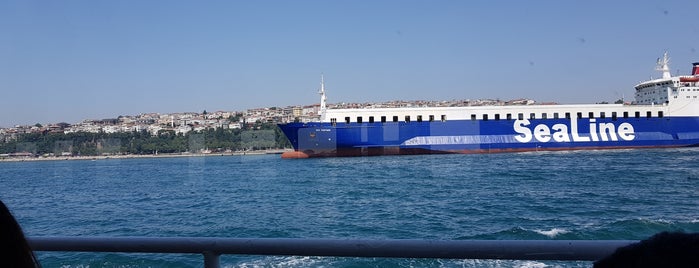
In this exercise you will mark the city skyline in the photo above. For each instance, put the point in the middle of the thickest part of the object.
(71, 61)
(307, 112)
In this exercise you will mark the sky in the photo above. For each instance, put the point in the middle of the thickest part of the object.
(67, 61)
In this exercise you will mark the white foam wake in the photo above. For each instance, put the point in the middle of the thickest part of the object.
(553, 232)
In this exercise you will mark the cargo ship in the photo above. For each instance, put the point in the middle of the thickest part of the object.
(665, 113)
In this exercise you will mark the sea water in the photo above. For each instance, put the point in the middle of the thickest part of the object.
(606, 194)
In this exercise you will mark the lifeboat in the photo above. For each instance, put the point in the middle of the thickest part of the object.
(689, 79)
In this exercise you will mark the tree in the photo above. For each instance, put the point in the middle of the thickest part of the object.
(262, 135)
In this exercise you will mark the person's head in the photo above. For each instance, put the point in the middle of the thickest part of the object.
(661, 250)
(14, 249)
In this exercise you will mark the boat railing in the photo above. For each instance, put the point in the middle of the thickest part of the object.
(213, 247)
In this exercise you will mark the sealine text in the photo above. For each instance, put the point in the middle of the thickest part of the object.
(598, 131)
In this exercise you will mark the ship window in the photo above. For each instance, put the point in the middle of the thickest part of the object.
(395, 118)
(520, 116)
(591, 115)
(333, 121)
(485, 117)
(473, 117)
(532, 116)
(371, 119)
(359, 119)
(544, 116)
(431, 118)
(497, 116)
(567, 115)
(648, 114)
(347, 120)
(555, 115)
(407, 118)
(383, 119)
(579, 115)
(419, 118)
(626, 114)
(660, 113)
(637, 114)
(614, 116)
(602, 115)
(444, 118)
(509, 116)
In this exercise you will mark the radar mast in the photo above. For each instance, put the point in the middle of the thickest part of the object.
(663, 66)
(322, 98)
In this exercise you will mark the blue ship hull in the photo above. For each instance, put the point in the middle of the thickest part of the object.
(489, 136)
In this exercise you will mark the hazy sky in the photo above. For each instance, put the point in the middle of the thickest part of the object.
(74, 60)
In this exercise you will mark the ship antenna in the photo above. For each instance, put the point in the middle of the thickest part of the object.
(663, 66)
(322, 98)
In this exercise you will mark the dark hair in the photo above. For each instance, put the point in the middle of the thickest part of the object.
(661, 250)
(14, 249)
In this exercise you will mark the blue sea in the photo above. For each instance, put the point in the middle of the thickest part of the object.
(606, 194)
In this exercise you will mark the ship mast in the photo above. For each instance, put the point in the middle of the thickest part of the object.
(322, 98)
(663, 66)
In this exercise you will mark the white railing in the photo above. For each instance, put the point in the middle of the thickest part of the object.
(213, 247)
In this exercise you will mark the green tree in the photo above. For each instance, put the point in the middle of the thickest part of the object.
(261, 135)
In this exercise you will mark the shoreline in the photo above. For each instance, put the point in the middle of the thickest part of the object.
(129, 156)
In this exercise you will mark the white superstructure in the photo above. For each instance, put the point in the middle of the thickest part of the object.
(667, 96)
(678, 91)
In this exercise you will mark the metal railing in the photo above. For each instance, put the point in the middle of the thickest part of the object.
(213, 247)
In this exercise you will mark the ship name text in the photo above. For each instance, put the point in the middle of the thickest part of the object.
(560, 132)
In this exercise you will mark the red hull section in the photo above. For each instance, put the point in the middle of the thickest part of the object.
(294, 155)
(398, 151)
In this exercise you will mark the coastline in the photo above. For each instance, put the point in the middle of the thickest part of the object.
(103, 157)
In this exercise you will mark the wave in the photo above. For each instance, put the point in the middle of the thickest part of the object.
(294, 261)
(520, 233)
(290, 261)
(623, 229)
(553, 232)
(642, 228)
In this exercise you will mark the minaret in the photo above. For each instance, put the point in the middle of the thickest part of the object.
(322, 99)
(663, 66)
